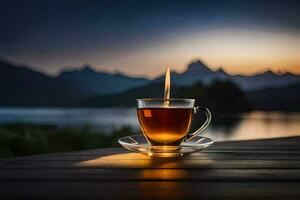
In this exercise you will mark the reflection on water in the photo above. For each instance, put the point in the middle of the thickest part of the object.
(257, 125)
(100, 118)
(252, 125)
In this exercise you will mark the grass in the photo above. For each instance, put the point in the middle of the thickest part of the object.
(24, 139)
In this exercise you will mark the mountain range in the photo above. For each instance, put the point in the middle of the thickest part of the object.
(22, 86)
(101, 83)
(199, 71)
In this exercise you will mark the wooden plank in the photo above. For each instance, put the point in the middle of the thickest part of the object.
(152, 190)
(275, 143)
(98, 175)
(132, 160)
(284, 145)
(204, 155)
(265, 169)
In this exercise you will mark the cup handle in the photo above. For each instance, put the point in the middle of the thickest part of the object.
(206, 123)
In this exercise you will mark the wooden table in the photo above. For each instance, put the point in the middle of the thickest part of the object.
(262, 169)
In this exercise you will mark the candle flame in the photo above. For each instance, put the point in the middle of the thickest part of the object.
(167, 87)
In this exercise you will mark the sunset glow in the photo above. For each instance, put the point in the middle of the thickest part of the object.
(142, 39)
(235, 51)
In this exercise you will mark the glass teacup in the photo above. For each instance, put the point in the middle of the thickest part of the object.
(166, 122)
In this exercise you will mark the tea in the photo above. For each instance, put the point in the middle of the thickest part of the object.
(165, 125)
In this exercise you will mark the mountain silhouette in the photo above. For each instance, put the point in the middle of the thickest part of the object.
(20, 86)
(199, 71)
(197, 67)
(101, 83)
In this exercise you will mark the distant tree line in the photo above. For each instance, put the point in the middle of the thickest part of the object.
(219, 96)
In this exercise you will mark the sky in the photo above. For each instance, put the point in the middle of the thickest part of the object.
(142, 38)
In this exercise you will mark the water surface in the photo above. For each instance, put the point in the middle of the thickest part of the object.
(253, 125)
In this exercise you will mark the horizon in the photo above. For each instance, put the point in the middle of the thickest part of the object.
(92, 67)
(144, 38)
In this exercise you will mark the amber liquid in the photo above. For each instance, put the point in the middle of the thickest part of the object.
(165, 126)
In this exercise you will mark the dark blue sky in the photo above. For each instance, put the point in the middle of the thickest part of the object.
(142, 37)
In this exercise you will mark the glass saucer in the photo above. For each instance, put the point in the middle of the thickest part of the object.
(138, 143)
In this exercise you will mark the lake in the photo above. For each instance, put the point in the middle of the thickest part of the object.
(253, 125)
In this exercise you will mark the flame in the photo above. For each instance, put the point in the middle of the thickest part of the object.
(167, 87)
